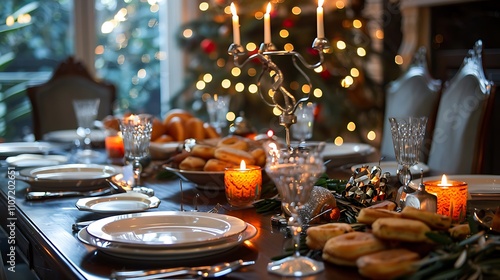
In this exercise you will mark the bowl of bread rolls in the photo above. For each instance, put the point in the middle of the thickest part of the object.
(205, 162)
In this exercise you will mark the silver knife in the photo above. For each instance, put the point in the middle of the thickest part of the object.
(43, 195)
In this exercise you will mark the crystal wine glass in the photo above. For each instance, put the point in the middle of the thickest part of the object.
(303, 128)
(136, 133)
(295, 171)
(407, 136)
(86, 113)
(217, 108)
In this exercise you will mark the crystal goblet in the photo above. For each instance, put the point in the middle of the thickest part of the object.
(295, 171)
(136, 133)
(86, 113)
(217, 108)
(303, 128)
(407, 136)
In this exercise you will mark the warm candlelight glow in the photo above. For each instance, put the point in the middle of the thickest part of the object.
(236, 25)
(243, 184)
(114, 145)
(319, 15)
(270, 133)
(267, 24)
(451, 197)
(444, 182)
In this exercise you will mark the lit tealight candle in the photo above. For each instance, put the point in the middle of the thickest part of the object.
(319, 16)
(267, 24)
(243, 184)
(114, 145)
(451, 197)
(236, 25)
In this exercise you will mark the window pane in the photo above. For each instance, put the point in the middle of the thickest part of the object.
(127, 52)
(34, 37)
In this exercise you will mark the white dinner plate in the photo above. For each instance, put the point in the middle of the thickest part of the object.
(35, 160)
(68, 176)
(118, 203)
(333, 151)
(479, 186)
(392, 167)
(16, 148)
(69, 136)
(166, 229)
(154, 253)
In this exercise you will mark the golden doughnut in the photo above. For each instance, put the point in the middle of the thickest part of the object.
(175, 128)
(180, 113)
(433, 220)
(459, 232)
(234, 156)
(400, 229)
(388, 264)
(158, 130)
(210, 131)
(194, 129)
(345, 249)
(235, 142)
(318, 235)
(259, 155)
(216, 165)
(165, 138)
(191, 163)
(203, 151)
(369, 215)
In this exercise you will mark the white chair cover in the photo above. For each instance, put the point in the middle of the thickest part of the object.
(456, 145)
(413, 94)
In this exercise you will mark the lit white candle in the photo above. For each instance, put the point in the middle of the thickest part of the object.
(267, 25)
(236, 25)
(319, 15)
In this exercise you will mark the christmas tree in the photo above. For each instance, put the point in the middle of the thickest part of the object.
(345, 95)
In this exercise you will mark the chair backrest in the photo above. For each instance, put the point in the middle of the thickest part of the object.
(414, 94)
(462, 118)
(51, 102)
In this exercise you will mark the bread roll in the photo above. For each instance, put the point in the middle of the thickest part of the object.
(387, 264)
(400, 229)
(369, 215)
(433, 220)
(317, 236)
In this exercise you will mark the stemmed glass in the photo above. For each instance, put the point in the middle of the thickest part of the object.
(303, 128)
(136, 133)
(86, 113)
(407, 136)
(295, 171)
(217, 108)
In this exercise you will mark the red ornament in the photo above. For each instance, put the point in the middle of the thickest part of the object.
(325, 74)
(208, 46)
(288, 23)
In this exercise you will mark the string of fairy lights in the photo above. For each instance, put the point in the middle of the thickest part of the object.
(250, 47)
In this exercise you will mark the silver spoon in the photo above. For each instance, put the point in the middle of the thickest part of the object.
(217, 270)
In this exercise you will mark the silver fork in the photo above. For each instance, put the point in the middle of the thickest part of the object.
(216, 270)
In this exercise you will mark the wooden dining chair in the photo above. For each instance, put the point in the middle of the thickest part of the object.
(462, 119)
(414, 94)
(51, 102)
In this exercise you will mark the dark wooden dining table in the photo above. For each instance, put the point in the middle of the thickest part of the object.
(46, 241)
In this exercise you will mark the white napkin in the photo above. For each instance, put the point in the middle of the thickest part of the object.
(34, 160)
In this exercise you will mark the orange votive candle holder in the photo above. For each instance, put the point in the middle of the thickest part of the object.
(451, 197)
(114, 145)
(243, 185)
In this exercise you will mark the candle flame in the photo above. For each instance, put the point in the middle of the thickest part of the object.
(320, 3)
(233, 9)
(270, 133)
(444, 180)
(268, 10)
(243, 165)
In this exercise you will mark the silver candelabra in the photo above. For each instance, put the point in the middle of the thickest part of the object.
(289, 102)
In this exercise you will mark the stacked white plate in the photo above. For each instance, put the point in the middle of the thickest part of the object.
(166, 235)
(74, 177)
